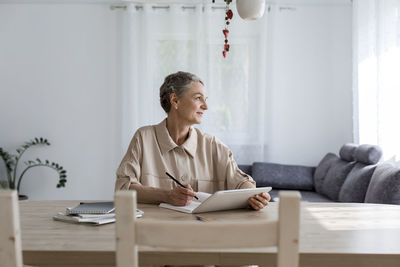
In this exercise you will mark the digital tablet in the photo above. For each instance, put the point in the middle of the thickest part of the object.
(220, 200)
(229, 199)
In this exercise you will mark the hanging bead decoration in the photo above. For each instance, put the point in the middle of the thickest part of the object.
(228, 17)
(225, 32)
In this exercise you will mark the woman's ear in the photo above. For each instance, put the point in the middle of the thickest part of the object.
(173, 98)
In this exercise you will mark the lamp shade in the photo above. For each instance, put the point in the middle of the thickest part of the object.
(250, 9)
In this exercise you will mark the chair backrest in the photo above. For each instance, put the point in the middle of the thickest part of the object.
(282, 233)
(10, 230)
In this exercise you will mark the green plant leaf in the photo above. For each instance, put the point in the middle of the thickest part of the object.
(8, 159)
(12, 162)
(3, 184)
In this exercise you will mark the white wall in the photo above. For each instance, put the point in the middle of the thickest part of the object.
(59, 79)
(310, 80)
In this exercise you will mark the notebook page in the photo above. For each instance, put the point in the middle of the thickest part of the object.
(188, 208)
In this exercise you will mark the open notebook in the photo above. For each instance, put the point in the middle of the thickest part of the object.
(220, 200)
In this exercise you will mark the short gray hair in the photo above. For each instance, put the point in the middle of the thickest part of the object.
(176, 83)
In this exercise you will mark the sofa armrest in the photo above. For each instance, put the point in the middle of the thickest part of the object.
(283, 176)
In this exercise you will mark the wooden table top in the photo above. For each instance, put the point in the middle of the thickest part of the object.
(331, 234)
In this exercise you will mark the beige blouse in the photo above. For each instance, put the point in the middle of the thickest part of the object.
(202, 161)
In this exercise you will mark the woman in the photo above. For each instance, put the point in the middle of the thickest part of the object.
(199, 161)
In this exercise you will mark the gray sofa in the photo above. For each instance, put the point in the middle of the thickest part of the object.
(353, 176)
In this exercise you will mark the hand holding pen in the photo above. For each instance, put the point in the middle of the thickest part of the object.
(182, 194)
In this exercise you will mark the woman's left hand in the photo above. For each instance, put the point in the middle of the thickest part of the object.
(259, 201)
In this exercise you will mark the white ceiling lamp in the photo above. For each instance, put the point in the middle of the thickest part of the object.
(250, 9)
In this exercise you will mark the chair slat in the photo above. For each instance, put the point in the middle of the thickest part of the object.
(125, 215)
(289, 227)
(10, 233)
(206, 235)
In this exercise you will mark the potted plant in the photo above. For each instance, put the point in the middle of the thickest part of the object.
(11, 161)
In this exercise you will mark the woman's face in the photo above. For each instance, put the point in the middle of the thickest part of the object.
(191, 106)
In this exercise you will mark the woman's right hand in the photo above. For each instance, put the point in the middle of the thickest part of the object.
(181, 196)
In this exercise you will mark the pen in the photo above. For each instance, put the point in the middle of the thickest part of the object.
(176, 181)
(203, 219)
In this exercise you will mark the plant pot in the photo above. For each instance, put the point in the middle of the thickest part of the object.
(250, 9)
(22, 197)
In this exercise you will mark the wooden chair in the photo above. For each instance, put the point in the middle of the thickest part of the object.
(10, 230)
(282, 233)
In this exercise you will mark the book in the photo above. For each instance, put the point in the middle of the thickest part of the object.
(88, 220)
(220, 200)
(94, 219)
(88, 216)
(92, 208)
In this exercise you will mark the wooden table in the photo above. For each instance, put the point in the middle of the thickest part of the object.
(332, 234)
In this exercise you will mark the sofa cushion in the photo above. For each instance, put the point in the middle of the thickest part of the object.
(322, 170)
(368, 154)
(283, 176)
(356, 184)
(347, 151)
(385, 185)
(335, 178)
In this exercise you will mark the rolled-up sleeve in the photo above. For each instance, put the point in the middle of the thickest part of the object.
(129, 170)
(236, 178)
(228, 168)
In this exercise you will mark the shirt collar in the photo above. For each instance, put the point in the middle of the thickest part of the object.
(166, 143)
(190, 144)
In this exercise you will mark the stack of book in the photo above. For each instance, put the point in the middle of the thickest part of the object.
(94, 213)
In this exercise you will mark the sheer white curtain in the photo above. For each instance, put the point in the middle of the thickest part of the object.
(159, 39)
(377, 73)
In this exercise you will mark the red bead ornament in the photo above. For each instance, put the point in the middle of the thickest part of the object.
(228, 17)
(225, 32)
(229, 14)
